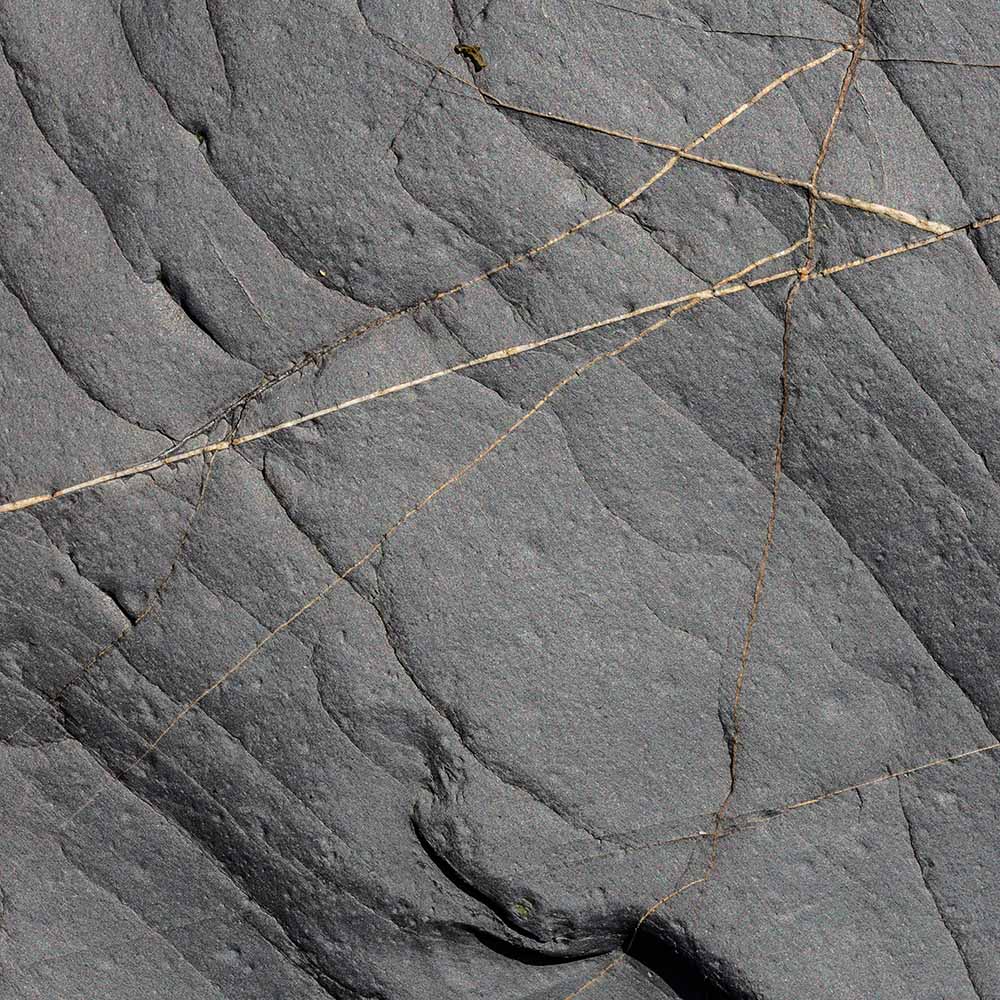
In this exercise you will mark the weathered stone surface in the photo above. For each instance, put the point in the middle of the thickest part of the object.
(480, 765)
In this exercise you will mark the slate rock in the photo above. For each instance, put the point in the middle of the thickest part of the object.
(528, 680)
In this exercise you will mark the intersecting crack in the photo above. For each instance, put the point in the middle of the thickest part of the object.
(310, 955)
(890, 77)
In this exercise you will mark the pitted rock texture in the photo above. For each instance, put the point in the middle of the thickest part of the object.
(524, 745)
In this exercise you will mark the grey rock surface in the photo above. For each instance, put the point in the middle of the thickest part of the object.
(587, 720)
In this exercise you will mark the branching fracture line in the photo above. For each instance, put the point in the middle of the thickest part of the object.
(754, 821)
(730, 285)
(502, 354)
(759, 173)
(779, 445)
(804, 274)
(151, 606)
(848, 201)
(318, 354)
(377, 545)
(891, 776)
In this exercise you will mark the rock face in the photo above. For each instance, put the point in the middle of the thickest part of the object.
(662, 671)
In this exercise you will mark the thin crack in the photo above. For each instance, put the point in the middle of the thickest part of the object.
(442, 712)
(935, 145)
(933, 896)
(223, 59)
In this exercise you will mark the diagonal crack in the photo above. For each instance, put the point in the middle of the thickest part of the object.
(923, 869)
(441, 711)
(223, 58)
(890, 77)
